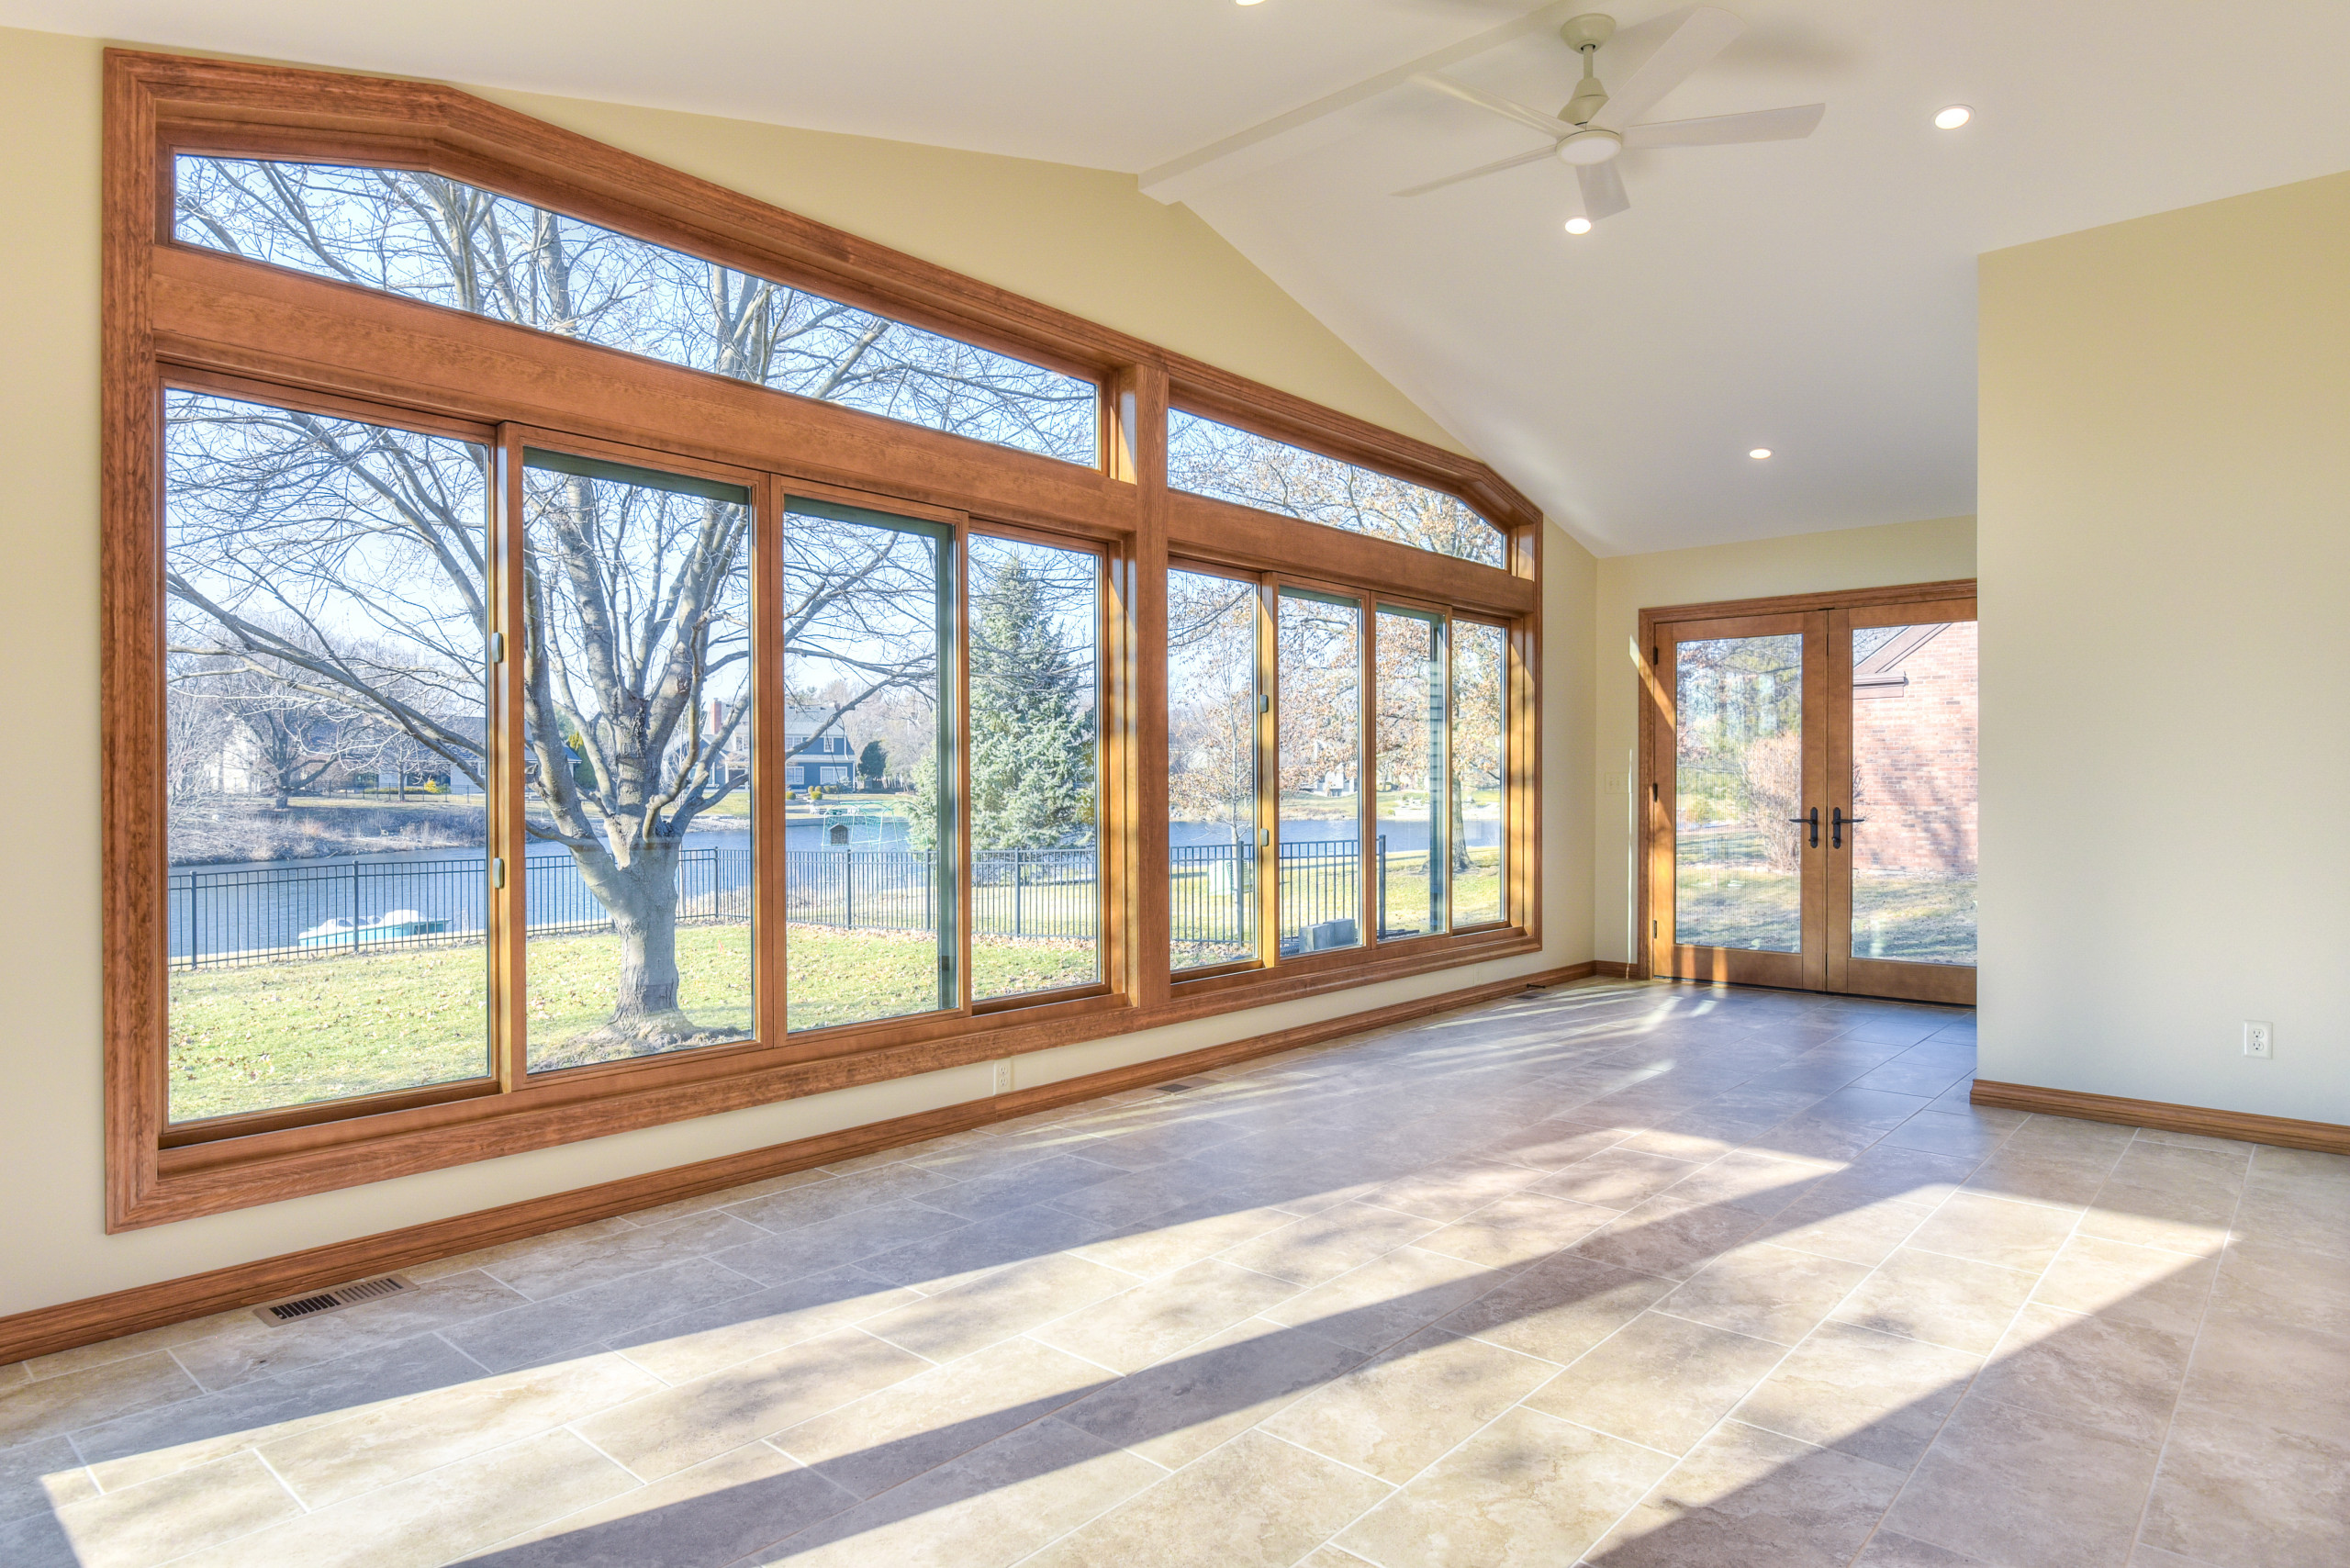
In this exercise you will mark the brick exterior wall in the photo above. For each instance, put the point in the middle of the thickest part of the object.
(1914, 766)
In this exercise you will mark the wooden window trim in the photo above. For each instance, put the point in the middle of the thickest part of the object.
(178, 315)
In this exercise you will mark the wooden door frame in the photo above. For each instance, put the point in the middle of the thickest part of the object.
(1654, 704)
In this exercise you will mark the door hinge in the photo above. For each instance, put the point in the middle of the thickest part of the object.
(1654, 798)
(1652, 925)
(1655, 655)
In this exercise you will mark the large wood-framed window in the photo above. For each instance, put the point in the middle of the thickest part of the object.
(752, 696)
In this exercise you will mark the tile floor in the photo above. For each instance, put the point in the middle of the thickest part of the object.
(1617, 1274)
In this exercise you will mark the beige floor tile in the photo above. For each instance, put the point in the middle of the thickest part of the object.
(1254, 1503)
(43, 1474)
(1748, 1178)
(1396, 1412)
(2189, 1216)
(1386, 1299)
(1331, 1557)
(2235, 1490)
(890, 1436)
(1522, 1228)
(61, 1404)
(728, 1332)
(1616, 1178)
(2029, 1488)
(1452, 1188)
(588, 1259)
(1747, 1497)
(122, 1348)
(391, 1441)
(729, 1196)
(2285, 1218)
(1995, 1230)
(2129, 1284)
(437, 1517)
(1178, 1237)
(663, 1433)
(1529, 1491)
(1668, 1239)
(1150, 1322)
(1660, 1382)
(2276, 1284)
(996, 1306)
(960, 1256)
(1176, 1411)
(1558, 1309)
(988, 1509)
(1854, 1231)
(1888, 1550)
(805, 1204)
(710, 1515)
(555, 1242)
(2070, 1136)
(610, 1311)
(1767, 1292)
(1324, 1245)
(1879, 1396)
(184, 1512)
(2031, 1176)
(2119, 1376)
(1943, 1300)
(2290, 1378)
(247, 1348)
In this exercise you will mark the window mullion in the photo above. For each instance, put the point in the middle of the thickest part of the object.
(510, 892)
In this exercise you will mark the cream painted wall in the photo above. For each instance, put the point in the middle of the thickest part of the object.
(1934, 551)
(1060, 234)
(2165, 541)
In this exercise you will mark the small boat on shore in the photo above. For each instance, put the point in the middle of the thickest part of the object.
(388, 927)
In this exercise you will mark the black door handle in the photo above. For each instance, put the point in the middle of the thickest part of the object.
(1814, 820)
(1837, 821)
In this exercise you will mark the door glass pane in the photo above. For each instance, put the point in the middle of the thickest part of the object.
(1738, 776)
(323, 701)
(1913, 781)
(869, 878)
(1210, 769)
(637, 691)
(1320, 654)
(1409, 850)
(1036, 828)
(1480, 772)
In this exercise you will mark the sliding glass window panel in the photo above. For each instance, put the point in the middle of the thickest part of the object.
(1738, 764)
(870, 859)
(1409, 855)
(1035, 662)
(324, 691)
(1319, 650)
(636, 744)
(1210, 769)
(1478, 854)
(1210, 459)
(1914, 792)
(429, 238)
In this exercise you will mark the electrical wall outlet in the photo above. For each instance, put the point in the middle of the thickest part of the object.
(2255, 1039)
(1003, 1077)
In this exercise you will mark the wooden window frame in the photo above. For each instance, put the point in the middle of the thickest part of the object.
(182, 316)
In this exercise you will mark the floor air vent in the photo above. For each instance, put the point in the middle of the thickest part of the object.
(330, 1301)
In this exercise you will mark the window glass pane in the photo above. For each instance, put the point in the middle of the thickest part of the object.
(1738, 771)
(1210, 459)
(868, 881)
(437, 240)
(637, 691)
(1211, 768)
(1480, 772)
(1320, 702)
(1409, 852)
(1035, 830)
(1913, 793)
(323, 707)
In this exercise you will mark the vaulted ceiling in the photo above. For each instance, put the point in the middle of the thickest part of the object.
(1815, 298)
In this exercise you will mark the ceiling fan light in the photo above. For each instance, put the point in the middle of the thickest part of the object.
(1591, 147)
(1953, 117)
(1578, 225)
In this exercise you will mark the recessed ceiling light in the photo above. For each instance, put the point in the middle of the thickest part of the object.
(1949, 118)
(1759, 453)
(1578, 225)
(1247, 2)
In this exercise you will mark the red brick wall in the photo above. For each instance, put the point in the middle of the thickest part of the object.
(1913, 764)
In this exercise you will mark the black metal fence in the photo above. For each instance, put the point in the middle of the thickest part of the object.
(267, 913)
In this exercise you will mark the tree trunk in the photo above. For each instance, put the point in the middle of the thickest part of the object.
(641, 899)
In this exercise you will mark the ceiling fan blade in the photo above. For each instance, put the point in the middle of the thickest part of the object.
(1702, 35)
(1715, 130)
(1533, 119)
(1602, 190)
(1535, 156)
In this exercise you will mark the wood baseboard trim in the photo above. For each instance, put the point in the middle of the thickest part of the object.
(1610, 969)
(45, 1330)
(2326, 1137)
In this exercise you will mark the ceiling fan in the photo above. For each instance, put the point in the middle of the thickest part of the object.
(1594, 127)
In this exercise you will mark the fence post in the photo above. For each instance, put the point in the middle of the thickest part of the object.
(848, 888)
(1019, 881)
(355, 904)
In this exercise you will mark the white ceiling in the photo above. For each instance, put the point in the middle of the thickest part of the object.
(1816, 298)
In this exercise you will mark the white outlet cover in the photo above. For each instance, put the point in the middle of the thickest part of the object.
(2258, 1039)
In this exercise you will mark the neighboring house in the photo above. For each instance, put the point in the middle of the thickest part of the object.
(818, 755)
(1914, 721)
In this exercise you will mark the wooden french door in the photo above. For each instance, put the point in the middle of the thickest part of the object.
(1809, 793)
